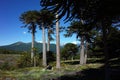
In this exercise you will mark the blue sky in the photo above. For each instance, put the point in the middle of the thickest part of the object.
(10, 30)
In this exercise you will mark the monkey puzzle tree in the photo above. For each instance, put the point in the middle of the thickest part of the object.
(29, 18)
(45, 20)
(82, 33)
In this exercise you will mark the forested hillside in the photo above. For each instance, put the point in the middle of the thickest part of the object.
(21, 46)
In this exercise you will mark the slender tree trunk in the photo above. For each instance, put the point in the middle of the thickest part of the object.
(86, 52)
(72, 58)
(34, 61)
(48, 42)
(85, 58)
(82, 51)
(57, 43)
(44, 46)
(32, 50)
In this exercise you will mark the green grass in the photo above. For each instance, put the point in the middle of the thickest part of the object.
(39, 73)
(70, 70)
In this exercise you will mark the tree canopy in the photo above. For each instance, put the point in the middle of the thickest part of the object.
(69, 50)
(86, 9)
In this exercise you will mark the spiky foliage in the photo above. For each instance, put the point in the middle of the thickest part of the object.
(29, 18)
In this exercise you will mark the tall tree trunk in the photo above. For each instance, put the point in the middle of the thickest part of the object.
(82, 51)
(34, 61)
(48, 42)
(86, 52)
(32, 50)
(44, 46)
(57, 43)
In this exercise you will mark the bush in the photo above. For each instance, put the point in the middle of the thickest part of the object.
(25, 60)
(38, 59)
(50, 56)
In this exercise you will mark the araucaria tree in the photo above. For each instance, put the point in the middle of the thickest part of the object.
(57, 33)
(57, 43)
(45, 20)
(50, 28)
(82, 33)
(29, 18)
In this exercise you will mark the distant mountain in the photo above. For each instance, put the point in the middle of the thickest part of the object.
(21, 46)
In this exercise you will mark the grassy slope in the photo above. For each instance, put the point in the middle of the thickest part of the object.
(39, 73)
(70, 71)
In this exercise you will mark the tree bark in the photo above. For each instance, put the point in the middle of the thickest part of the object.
(44, 46)
(57, 43)
(86, 52)
(34, 61)
(48, 42)
(32, 50)
(82, 51)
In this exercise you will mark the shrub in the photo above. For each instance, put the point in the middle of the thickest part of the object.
(50, 56)
(38, 59)
(25, 60)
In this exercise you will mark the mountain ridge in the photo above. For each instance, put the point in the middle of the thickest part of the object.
(22, 46)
